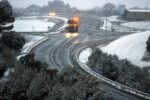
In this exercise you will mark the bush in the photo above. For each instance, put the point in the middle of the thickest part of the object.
(6, 15)
(13, 40)
(39, 87)
(121, 71)
(148, 45)
(1, 46)
(30, 62)
(2, 69)
(27, 84)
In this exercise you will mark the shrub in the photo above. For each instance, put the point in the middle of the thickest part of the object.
(121, 71)
(13, 40)
(148, 45)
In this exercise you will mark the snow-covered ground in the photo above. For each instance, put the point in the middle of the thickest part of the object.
(131, 47)
(64, 19)
(83, 57)
(27, 17)
(139, 25)
(114, 24)
(36, 23)
(30, 42)
(30, 25)
(113, 19)
(106, 25)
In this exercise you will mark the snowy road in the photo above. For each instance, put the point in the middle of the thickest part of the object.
(59, 52)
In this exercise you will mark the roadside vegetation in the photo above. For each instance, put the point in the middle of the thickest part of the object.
(10, 42)
(148, 44)
(121, 71)
(36, 82)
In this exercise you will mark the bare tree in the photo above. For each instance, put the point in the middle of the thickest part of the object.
(109, 9)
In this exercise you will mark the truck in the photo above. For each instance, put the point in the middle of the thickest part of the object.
(72, 27)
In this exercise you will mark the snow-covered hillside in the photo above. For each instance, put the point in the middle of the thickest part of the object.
(131, 47)
(32, 25)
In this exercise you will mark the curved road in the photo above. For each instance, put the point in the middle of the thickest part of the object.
(58, 51)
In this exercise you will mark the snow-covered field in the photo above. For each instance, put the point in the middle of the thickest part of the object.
(31, 25)
(116, 27)
(139, 25)
(131, 47)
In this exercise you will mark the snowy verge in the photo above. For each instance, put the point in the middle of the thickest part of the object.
(106, 25)
(32, 41)
(131, 47)
(84, 55)
(62, 18)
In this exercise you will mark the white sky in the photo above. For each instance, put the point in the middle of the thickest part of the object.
(82, 4)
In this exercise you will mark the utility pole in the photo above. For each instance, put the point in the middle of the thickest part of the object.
(106, 14)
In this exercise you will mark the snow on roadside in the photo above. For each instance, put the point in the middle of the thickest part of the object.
(109, 25)
(30, 41)
(84, 55)
(138, 25)
(113, 19)
(131, 47)
(64, 19)
(32, 25)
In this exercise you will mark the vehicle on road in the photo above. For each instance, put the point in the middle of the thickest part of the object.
(52, 13)
(72, 27)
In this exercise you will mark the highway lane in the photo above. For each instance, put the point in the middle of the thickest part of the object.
(58, 51)
(46, 53)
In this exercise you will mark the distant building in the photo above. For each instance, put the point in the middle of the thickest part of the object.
(136, 14)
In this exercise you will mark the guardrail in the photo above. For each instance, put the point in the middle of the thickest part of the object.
(37, 43)
(113, 83)
(33, 46)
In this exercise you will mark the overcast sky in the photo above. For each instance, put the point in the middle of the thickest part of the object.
(82, 4)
